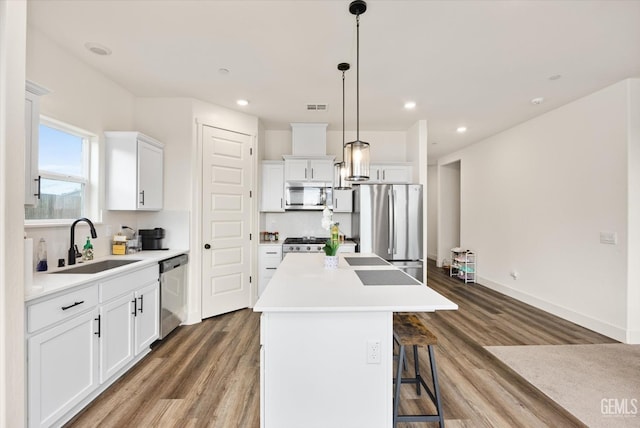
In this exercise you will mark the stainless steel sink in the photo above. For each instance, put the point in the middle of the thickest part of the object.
(97, 266)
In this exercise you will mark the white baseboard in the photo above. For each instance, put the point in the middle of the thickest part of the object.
(633, 337)
(591, 323)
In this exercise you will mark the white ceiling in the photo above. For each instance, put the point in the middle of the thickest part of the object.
(477, 63)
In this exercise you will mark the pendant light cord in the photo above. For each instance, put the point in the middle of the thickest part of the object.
(343, 136)
(358, 77)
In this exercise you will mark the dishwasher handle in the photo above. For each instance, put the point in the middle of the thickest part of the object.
(173, 263)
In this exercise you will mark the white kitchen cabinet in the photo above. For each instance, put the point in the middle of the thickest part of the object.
(62, 361)
(272, 197)
(390, 173)
(117, 335)
(269, 257)
(342, 200)
(80, 340)
(32, 126)
(307, 169)
(134, 172)
(347, 247)
(147, 319)
(308, 139)
(130, 321)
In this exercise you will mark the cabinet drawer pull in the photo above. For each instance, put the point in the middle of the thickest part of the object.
(141, 302)
(271, 268)
(64, 308)
(99, 331)
(272, 252)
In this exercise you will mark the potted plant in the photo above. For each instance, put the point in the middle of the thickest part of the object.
(331, 254)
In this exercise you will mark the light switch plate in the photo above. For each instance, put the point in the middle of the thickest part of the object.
(608, 238)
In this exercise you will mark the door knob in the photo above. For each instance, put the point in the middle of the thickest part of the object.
(207, 246)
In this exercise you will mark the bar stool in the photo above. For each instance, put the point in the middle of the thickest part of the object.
(408, 330)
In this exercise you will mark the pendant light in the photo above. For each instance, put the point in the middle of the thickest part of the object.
(356, 153)
(340, 167)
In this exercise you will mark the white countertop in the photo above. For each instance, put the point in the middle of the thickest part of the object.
(45, 283)
(302, 284)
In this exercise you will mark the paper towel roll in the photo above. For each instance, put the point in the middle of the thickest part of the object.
(28, 263)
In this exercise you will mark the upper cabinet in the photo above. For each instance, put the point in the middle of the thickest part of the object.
(134, 172)
(32, 124)
(308, 169)
(390, 173)
(272, 191)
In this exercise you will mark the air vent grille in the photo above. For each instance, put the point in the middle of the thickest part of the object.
(317, 107)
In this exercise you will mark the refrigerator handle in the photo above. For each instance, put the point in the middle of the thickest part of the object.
(394, 244)
(392, 221)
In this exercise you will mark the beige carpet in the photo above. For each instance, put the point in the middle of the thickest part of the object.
(598, 384)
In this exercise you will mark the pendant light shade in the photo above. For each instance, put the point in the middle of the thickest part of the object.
(356, 153)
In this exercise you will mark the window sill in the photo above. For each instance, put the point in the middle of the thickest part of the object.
(36, 224)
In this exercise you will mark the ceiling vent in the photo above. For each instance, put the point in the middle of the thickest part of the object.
(317, 107)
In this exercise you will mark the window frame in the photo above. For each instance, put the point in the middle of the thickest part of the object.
(87, 180)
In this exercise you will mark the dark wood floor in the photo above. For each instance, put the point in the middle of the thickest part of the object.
(207, 375)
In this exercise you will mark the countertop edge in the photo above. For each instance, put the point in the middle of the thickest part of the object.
(48, 283)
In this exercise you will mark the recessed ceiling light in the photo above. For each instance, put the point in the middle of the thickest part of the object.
(537, 101)
(555, 77)
(461, 129)
(97, 48)
(410, 105)
(223, 71)
(242, 103)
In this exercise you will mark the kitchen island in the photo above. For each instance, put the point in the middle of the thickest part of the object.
(326, 354)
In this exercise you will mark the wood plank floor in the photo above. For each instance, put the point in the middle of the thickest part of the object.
(207, 375)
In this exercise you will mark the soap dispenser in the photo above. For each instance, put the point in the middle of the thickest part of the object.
(87, 251)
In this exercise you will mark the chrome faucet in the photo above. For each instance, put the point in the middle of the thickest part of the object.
(73, 249)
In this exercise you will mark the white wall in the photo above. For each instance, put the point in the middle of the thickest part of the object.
(13, 17)
(633, 183)
(448, 211)
(83, 97)
(432, 212)
(535, 199)
(386, 146)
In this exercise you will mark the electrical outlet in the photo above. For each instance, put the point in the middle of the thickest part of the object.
(373, 352)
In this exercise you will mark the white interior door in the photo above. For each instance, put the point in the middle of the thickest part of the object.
(226, 220)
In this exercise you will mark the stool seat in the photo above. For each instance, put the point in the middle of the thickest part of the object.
(411, 331)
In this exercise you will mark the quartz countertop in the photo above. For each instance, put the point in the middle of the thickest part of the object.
(45, 283)
(302, 284)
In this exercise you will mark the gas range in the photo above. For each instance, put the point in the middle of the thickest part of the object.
(303, 245)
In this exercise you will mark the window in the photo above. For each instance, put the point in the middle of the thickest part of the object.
(63, 165)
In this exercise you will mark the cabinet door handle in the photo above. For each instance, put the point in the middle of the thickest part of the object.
(305, 173)
(141, 303)
(135, 307)
(281, 206)
(142, 198)
(378, 175)
(384, 174)
(64, 308)
(39, 180)
(311, 172)
(98, 333)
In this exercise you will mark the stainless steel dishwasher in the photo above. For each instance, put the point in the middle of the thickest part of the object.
(173, 293)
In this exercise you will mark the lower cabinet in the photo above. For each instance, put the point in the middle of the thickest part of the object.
(130, 325)
(79, 343)
(269, 257)
(62, 368)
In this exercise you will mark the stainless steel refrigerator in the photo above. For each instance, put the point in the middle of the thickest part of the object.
(387, 221)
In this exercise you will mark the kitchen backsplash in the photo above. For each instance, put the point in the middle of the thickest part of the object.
(302, 223)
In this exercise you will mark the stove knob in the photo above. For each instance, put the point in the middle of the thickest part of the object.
(308, 248)
(297, 248)
(319, 248)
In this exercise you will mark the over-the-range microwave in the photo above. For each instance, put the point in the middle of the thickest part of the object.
(307, 195)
